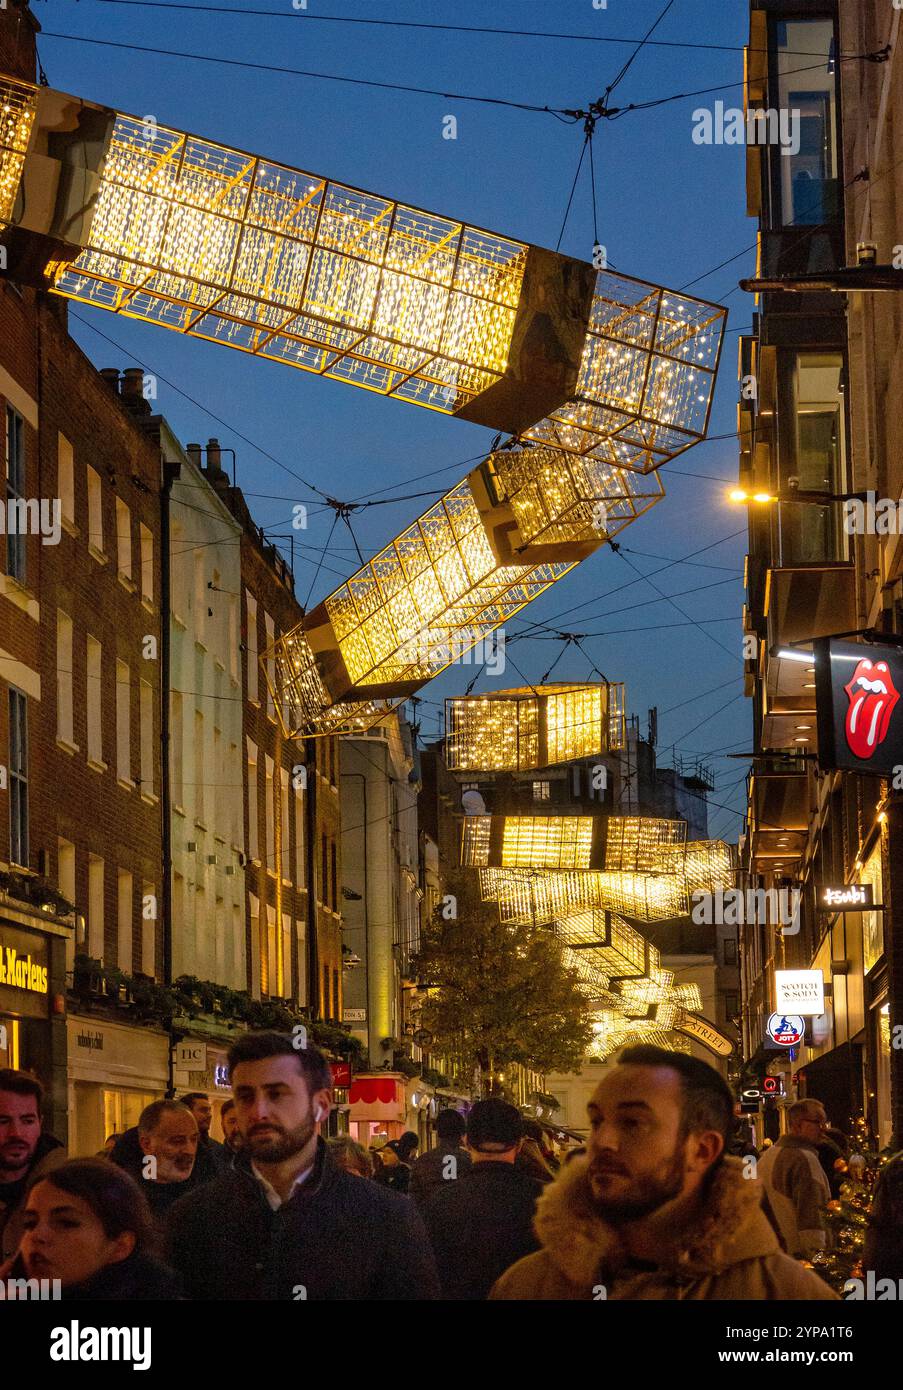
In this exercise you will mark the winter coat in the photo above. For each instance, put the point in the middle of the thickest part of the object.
(210, 1159)
(480, 1226)
(138, 1278)
(428, 1173)
(731, 1252)
(337, 1237)
(49, 1154)
(799, 1193)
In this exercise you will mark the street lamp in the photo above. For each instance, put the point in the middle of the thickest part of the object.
(804, 496)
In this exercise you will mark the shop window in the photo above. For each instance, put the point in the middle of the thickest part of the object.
(18, 778)
(806, 179)
(15, 493)
(122, 1109)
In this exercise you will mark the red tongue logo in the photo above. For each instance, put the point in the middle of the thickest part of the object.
(873, 696)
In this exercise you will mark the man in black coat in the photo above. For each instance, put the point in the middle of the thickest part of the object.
(482, 1224)
(286, 1223)
(445, 1163)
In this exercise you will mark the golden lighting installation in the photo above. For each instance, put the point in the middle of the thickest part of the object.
(612, 944)
(642, 844)
(146, 221)
(542, 842)
(224, 245)
(614, 844)
(517, 730)
(528, 897)
(646, 376)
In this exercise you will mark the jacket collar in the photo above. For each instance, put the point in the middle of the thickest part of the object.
(322, 1177)
(731, 1227)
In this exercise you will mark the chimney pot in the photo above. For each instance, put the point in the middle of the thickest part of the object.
(194, 453)
(111, 377)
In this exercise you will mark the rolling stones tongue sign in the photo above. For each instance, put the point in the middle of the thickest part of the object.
(858, 689)
(873, 698)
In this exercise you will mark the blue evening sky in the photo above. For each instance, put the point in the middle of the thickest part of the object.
(669, 211)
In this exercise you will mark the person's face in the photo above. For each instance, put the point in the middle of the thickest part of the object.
(231, 1131)
(202, 1111)
(277, 1115)
(813, 1125)
(174, 1144)
(20, 1130)
(637, 1159)
(64, 1239)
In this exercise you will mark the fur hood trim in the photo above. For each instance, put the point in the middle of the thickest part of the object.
(731, 1227)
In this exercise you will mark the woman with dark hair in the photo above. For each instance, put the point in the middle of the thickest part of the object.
(90, 1228)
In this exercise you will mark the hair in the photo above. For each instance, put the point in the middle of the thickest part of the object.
(115, 1198)
(227, 1106)
(450, 1124)
(193, 1096)
(406, 1145)
(152, 1114)
(494, 1121)
(348, 1153)
(257, 1047)
(707, 1100)
(21, 1083)
(802, 1110)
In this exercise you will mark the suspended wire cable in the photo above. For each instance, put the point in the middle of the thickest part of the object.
(242, 11)
(636, 52)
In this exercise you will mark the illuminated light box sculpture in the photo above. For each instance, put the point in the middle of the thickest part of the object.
(216, 243)
(612, 944)
(532, 897)
(644, 392)
(613, 844)
(519, 730)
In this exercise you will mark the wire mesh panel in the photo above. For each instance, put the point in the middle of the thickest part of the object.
(520, 730)
(646, 377)
(17, 113)
(618, 947)
(642, 844)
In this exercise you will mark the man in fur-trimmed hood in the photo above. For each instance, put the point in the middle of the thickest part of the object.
(656, 1210)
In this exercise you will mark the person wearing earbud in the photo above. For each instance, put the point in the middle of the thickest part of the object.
(286, 1222)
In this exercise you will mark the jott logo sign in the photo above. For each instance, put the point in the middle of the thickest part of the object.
(860, 722)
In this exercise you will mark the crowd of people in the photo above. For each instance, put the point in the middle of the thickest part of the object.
(653, 1206)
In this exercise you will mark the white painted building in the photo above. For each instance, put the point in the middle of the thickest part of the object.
(206, 758)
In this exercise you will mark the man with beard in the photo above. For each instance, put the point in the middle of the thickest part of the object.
(211, 1152)
(232, 1140)
(656, 1210)
(26, 1155)
(168, 1136)
(286, 1223)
